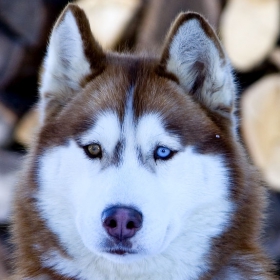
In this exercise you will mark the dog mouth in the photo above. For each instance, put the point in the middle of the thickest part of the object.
(120, 251)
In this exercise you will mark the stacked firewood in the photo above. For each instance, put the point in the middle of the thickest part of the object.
(250, 32)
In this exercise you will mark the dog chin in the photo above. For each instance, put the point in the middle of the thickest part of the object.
(121, 255)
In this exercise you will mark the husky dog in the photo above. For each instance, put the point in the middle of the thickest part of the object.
(137, 171)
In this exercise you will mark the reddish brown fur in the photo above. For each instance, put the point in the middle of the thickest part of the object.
(154, 91)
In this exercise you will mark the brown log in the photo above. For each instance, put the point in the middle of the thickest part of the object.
(274, 57)
(249, 31)
(7, 123)
(108, 18)
(26, 128)
(260, 124)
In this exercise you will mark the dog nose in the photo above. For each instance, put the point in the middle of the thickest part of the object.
(121, 222)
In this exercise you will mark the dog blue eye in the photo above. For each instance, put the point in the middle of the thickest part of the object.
(163, 153)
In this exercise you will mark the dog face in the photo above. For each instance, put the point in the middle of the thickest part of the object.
(132, 150)
(140, 165)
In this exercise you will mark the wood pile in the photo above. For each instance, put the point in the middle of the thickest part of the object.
(260, 117)
(250, 31)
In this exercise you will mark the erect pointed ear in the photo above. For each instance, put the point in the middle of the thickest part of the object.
(193, 54)
(73, 55)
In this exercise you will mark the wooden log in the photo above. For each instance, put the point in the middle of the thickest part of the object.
(260, 125)
(7, 122)
(26, 128)
(108, 18)
(274, 57)
(249, 30)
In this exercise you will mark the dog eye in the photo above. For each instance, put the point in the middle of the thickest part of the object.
(93, 150)
(163, 153)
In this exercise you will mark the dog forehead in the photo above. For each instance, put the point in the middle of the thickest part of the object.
(135, 83)
(130, 88)
(131, 85)
(108, 126)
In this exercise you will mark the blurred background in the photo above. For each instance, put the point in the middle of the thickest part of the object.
(249, 30)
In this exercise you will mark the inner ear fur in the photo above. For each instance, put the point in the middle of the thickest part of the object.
(193, 54)
(73, 57)
(92, 50)
(181, 19)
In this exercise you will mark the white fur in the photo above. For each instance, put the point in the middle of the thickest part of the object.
(65, 63)
(150, 134)
(184, 202)
(106, 131)
(191, 45)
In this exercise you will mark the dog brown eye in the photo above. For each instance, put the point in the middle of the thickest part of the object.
(93, 151)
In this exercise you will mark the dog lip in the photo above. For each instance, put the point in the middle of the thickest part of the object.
(120, 252)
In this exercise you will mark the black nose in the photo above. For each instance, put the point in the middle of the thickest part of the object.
(121, 222)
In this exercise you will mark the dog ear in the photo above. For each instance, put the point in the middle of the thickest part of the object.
(193, 54)
(72, 56)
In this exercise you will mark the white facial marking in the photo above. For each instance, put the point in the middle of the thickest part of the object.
(150, 130)
(184, 203)
(106, 132)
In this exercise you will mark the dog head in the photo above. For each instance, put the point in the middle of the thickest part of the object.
(132, 149)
